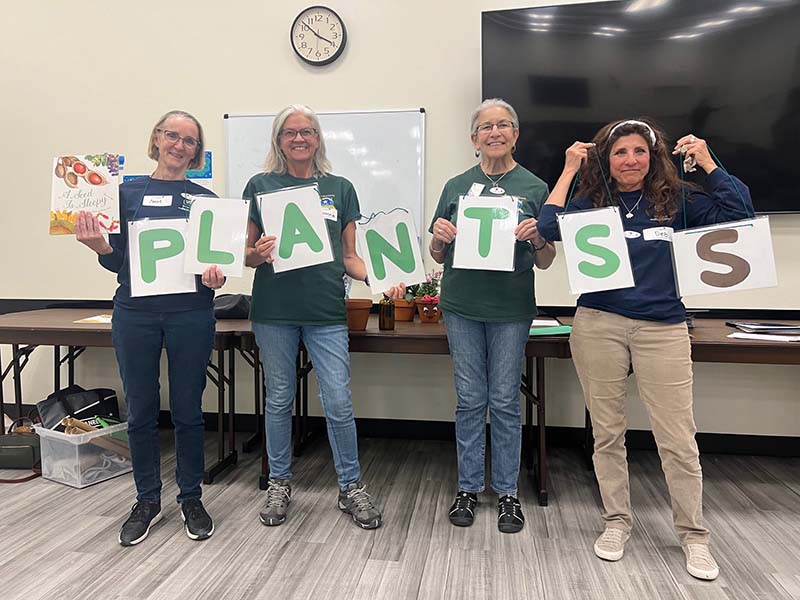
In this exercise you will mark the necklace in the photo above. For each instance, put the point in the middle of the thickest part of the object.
(629, 214)
(496, 189)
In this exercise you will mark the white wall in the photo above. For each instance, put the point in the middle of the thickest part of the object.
(95, 78)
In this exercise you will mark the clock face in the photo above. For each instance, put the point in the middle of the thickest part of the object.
(318, 35)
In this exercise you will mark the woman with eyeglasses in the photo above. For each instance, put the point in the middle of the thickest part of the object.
(183, 323)
(488, 316)
(307, 305)
(628, 164)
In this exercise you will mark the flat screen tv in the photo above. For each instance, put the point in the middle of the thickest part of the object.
(725, 70)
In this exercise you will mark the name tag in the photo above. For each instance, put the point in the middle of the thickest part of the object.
(658, 233)
(328, 209)
(632, 234)
(476, 189)
(157, 201)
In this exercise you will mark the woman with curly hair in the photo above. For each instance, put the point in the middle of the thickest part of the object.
(628, 164)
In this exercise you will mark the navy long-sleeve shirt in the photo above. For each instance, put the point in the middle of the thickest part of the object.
(654, 296)
(167, 202)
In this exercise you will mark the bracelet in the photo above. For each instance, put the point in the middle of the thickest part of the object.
(438, 249)
(535, 249)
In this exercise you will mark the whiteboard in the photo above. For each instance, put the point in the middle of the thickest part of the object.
(381, 152)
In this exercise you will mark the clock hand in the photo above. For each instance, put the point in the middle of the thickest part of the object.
(317, 34)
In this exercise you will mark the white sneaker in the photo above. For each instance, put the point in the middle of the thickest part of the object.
(611, 544)
(699, 561)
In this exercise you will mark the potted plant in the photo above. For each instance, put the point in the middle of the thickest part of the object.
(358, 313)
(427, 298)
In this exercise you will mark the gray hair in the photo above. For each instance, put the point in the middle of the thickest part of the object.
(490, 103)
(276, 161)
(199, 157)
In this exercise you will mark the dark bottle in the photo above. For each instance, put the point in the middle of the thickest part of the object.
(386, 314)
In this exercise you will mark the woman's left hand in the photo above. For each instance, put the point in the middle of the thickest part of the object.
(527, 231)
(213, 277)
(397, 292)
(689, 145)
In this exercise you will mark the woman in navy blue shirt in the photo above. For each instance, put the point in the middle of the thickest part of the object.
(628, 164)
(182, 323)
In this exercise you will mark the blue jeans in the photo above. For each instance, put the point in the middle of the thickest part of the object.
(487, 363)
(328, 346)
(189, 338)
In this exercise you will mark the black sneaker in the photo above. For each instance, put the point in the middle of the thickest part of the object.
(144, 515)
(355, 501)
(509, 515)
(196, 521)
(462, 512)
(279, 494)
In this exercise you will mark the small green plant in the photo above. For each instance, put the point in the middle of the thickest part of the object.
(428, 288)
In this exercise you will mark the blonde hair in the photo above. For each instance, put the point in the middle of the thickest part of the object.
(199, 157)
(276, 161)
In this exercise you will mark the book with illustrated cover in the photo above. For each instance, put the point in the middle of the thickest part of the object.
(87, 182)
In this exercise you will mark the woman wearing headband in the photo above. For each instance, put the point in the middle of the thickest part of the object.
(488, 316)
(628, 164)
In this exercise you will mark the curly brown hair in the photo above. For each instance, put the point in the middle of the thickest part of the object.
(662, 185)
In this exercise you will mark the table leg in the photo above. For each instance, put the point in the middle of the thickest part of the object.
(74, 352)
(541, 475)
(17, 379)
(2, 400)
(232, 404)
(56, 368)
(223, 461)
(254, 440)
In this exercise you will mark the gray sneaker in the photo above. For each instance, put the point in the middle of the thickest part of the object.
(355, 501)
(279, 494)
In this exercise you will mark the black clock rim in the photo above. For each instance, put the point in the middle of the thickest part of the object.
(336, 54)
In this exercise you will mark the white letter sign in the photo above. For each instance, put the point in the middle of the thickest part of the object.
(485, 237)
(155, 250)
(388, 243)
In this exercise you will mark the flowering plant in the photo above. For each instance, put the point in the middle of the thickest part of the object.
(428, 290)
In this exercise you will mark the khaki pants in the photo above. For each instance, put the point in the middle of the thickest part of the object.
(603, 346)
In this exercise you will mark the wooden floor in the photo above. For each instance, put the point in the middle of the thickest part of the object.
(61, 543)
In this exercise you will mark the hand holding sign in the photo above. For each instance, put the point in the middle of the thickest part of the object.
(213, 277)
(89, 233)
(264, 247)
(696, 150)
(444, 231)
(575, 156)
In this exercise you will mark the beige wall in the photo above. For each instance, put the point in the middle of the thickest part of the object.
(95, 77)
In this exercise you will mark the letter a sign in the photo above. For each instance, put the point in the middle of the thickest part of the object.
(724, 257)
(295, 217)
(595, 250)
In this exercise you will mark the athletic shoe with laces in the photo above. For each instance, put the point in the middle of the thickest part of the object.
(355, 501)
(699, 562)
(611, 543)
(279, 494)
(144, 515)
(509, 515)
(462, 511)
(196, 521)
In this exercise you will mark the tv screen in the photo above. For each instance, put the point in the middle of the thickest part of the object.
(725, 70)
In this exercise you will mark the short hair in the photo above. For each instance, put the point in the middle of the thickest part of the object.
(490, 103)
(199, 158)
(276, 161)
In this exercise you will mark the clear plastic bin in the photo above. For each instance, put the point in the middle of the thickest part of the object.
(87, 458)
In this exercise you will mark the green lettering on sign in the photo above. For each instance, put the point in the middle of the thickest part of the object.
(204, 252)
(611, 261)
(486, 215)
(379, 248)
(297, 230)
(149, 255)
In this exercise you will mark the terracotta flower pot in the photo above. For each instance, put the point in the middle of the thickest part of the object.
(404, 310)
(428, 311)
(358, 313)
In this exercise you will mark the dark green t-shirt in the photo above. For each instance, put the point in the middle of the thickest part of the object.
(312, 295)
(497, 296)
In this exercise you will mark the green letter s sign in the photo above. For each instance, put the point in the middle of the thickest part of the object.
(610, 260)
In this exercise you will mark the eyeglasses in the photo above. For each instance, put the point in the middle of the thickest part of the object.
(502, 127)
(306, 134)
(173, 137)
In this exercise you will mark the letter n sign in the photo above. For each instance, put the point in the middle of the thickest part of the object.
(595, 250)
(724, 257)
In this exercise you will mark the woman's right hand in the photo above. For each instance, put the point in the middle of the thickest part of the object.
(444, 231)
(89, 233)
(264, 247)
(576, 155)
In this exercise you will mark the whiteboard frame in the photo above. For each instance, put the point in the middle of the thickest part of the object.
(421, 192)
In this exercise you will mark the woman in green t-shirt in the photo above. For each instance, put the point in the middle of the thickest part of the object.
(488, 316)
(307, 304)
